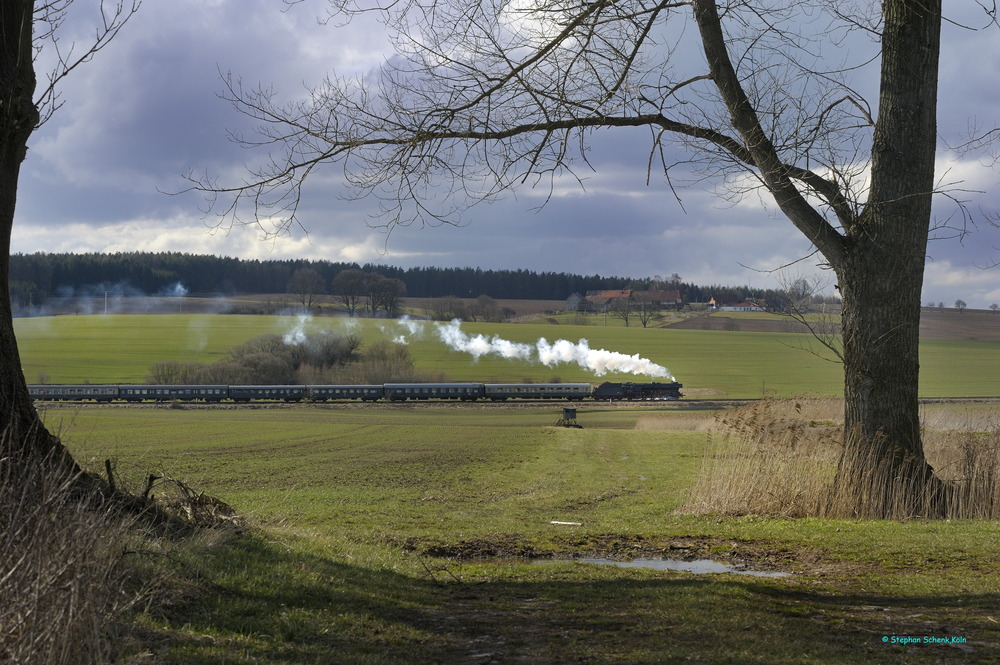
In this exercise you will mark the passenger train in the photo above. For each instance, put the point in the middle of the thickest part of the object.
(393, 392)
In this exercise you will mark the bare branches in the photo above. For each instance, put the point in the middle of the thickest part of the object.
(62, 59)
(483, 98)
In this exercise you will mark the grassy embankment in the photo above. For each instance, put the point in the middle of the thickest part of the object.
(365, 516)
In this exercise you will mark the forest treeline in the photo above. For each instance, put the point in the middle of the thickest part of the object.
(34, 278)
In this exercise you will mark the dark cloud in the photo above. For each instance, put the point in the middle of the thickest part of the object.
(147, 110)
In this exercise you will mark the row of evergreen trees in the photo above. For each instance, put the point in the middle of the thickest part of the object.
(36, 277)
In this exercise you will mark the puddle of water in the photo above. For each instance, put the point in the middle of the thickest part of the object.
(699, 566)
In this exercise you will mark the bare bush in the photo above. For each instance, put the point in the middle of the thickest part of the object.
(269, 359)
(172, 372)
(265, 344)
(63, 585)
(325, 349)
(382, 362)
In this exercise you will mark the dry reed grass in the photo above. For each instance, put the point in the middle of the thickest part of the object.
(675, 421)
(63, 585)
(768, 458)
(787, 458)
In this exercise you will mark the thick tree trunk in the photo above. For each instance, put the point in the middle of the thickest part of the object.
(879, 255)
(883, 472)
(23, 434)
(881, 274)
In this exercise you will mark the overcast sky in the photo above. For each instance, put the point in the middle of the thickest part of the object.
(146, 111)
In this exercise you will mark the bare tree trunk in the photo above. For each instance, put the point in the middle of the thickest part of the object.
(883, 472)
(879, 259)
(882, 271)
(24, 434)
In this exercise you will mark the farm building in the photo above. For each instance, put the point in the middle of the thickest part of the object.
(599, 301)
(578, 303)
(607, 298)
(742, 307)
(724, 300)
(662, 299)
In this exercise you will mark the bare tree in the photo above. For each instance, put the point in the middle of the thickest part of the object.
(622, 308)
(482, 97)
(486, 309)
(350, 286)
(799, 303)
(448, 308)
(30, 34)
(646, 310)
(386, 294)
(308, 287)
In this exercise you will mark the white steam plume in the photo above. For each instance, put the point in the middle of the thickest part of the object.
(598, 361)
(297, 335)
(409, 327)
(175, 290)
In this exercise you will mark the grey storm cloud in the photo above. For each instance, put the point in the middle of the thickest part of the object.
(147, 111)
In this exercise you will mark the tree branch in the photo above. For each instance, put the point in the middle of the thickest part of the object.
(776, 176)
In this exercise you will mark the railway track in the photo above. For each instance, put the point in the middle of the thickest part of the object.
(678, 405)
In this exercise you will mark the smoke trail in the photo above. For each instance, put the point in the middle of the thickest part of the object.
(297, 335)
(175, 290)
(480, 345)
(407, 327)
(598, 361)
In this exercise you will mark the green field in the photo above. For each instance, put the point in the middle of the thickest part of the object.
(121, 348)
(400, 534)
(414, 534)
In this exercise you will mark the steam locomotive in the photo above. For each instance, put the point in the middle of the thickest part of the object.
(393, 392)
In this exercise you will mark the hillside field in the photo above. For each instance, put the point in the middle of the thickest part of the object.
(438, 534)
(483, 533)
(710, 363)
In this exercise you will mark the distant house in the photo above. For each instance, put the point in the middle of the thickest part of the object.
(724, 300)
(742, 307)
(578, 303)
(662, 299)
(606, 298)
